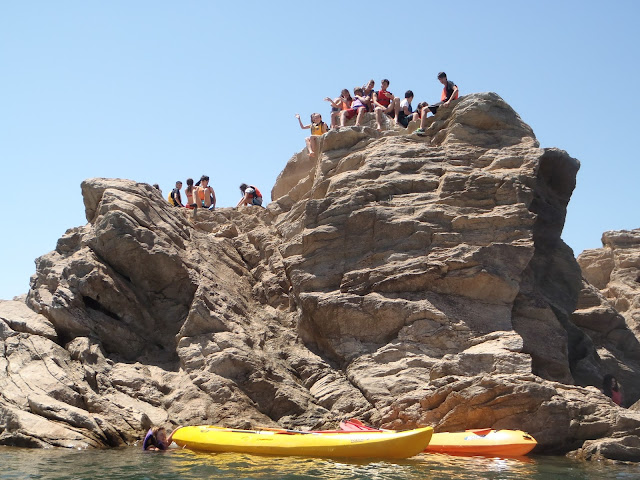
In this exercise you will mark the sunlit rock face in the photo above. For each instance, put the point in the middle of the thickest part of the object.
(402, 279)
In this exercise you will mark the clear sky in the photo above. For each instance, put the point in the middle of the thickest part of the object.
(159, 90)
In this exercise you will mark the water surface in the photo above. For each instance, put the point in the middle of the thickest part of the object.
(134, 464)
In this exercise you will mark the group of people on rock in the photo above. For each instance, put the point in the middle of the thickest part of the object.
(383, 102)
(202, 195)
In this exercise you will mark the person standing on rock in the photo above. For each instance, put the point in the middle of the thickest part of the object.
(449, 92)
(174, 197)
(250, 196)
(204, 195)
(612, 389)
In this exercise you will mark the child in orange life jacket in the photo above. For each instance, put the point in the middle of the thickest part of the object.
(318, 127)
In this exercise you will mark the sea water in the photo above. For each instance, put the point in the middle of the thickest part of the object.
(134, 464)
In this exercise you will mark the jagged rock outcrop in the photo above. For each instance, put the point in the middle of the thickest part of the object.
(405, 280)
(608, 311)
(615, 271)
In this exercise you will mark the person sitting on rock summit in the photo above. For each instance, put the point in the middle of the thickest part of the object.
(405, 114)
(318, 127)
(204, 195)
(385, 102)
(358, 107)
(449, 92)
(367, 94)
(343, 102)
(174, 197)
(189, 191)
(250, 195)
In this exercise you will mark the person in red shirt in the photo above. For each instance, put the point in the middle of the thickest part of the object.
(385, 102)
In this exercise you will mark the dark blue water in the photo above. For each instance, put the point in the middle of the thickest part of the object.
(134, 464)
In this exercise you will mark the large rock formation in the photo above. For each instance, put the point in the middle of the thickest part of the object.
(609, 310)
(404, 280)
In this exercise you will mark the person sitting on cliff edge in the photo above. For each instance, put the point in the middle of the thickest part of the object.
(358, 108)
(156, 439)
(449, 92)
(385, 102)
(174, 197)
(318, 127)
(204, 195)
(250, 196)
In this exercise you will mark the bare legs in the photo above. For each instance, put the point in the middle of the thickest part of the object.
(312, 145)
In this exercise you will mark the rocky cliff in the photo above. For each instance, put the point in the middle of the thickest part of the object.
(400, 279)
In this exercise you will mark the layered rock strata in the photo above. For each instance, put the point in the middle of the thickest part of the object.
(403, 280)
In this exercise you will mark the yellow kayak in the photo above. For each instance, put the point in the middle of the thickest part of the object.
(311, 444)
(508, 443)
(481, 441)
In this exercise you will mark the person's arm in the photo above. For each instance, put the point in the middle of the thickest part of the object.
(213, 198)
(325, 129)
(170, 437)
(301, 125)
(334, 103)
(453, 95)
(242, 200)
(374, 99)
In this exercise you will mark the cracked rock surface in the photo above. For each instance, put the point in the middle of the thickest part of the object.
(399, 279)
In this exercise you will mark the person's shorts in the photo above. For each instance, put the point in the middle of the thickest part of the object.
(434, 108)
(352, 112)
(404, 120)
(256, 201)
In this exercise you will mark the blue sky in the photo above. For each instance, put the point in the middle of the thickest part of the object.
(157, 91)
